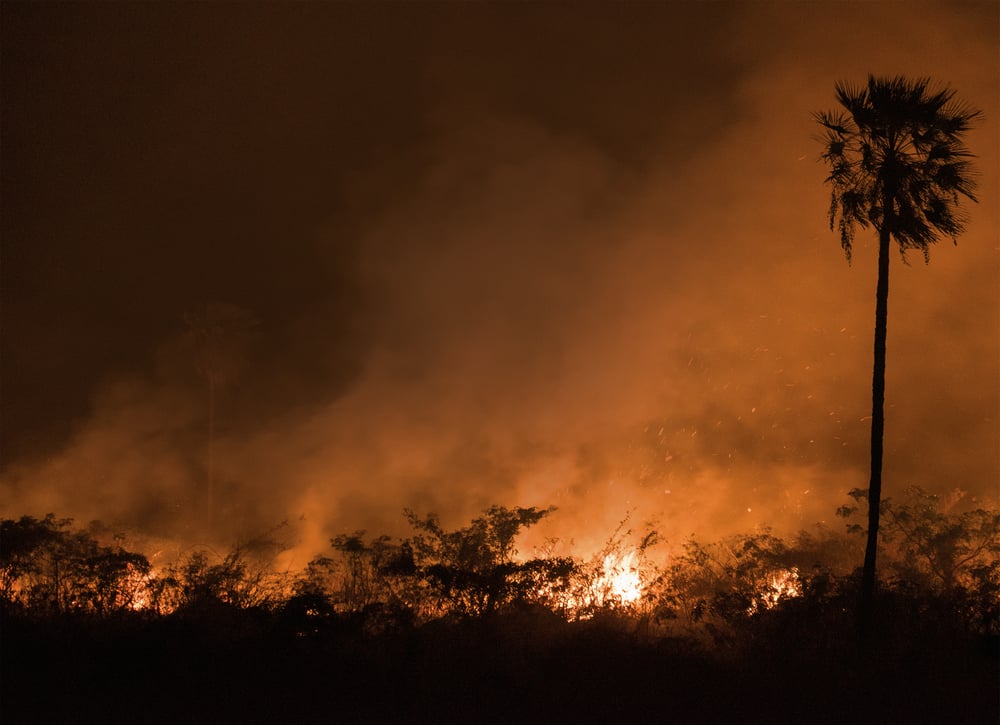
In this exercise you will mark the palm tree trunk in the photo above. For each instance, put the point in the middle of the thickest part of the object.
(868, 579)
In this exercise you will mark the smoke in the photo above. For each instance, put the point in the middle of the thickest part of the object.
(546, 321)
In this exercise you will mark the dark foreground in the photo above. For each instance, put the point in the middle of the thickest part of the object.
(239, 666)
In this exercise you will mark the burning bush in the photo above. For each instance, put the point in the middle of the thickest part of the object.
(933, 551)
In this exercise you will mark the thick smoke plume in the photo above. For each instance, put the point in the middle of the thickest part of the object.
(549, 312)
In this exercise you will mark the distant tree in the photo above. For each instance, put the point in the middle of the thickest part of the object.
(898, 163)
(362, 576)
(473, 570)
(30, 555)
(370, 583)
(244, 578)
(221, 332)
(943, 544)
(47, 567)
(202, 581)
(727, 581)
(942, 548)
(930, 543)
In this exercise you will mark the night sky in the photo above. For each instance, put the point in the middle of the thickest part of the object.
(530, 254)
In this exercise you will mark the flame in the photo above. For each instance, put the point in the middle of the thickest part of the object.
(780, 584)
(615, 582)
(620, 581)
(141, 590)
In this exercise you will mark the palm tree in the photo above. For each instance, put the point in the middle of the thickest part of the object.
(898, 163)
(221, 333)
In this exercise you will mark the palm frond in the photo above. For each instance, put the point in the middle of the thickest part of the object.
(902, 140)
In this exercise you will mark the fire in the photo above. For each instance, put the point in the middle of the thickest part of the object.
(780, 584)
(614, 581)
(141, 602)
(141, 591)
(620, 581)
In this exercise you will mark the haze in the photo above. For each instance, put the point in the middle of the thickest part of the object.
(547, 254)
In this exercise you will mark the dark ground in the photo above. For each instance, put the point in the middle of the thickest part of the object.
(238, 666)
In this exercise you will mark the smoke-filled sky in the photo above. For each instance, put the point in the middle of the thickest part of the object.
(465, 254)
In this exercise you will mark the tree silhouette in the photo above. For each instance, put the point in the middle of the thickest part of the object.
(47, 568)
(221, 333)
(898, 163)
(473, 569)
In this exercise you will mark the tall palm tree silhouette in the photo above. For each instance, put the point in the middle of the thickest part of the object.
(898, 163)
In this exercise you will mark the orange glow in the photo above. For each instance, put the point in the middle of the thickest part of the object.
(780, 584)
(613, 581)
(620, 582)
(141, 594)
(488, 297)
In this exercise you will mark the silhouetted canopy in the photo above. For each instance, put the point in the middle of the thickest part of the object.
(897, 160)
